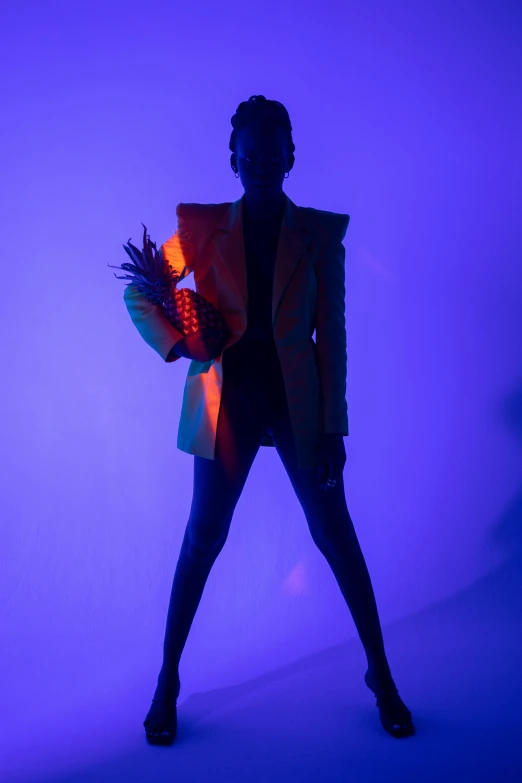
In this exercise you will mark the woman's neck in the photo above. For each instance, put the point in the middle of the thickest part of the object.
(257, 210)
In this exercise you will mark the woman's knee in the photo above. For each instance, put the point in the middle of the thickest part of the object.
(334, 537)
(203, 542)
(202, 549)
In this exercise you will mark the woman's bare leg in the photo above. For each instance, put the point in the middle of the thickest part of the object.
(218, 484)
(333, 532)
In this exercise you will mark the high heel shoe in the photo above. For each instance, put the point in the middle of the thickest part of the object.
(169, 726)
(395, 717)
(165, 729)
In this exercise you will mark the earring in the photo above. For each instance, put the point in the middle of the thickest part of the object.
(286, 175)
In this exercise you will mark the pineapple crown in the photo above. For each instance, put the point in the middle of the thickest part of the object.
(148, 268)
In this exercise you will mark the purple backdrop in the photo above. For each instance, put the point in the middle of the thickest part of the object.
(406, 116)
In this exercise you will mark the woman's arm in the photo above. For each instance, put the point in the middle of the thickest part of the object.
(330, 330)
(179, 251)
(150, 322)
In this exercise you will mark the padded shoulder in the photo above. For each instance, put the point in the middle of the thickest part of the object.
(195, 220)
(329, 226)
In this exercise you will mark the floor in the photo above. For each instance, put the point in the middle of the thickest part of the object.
(313, 720)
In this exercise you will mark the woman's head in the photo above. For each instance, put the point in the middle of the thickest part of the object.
(262, 146)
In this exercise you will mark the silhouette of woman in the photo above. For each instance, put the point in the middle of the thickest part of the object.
(253, 403)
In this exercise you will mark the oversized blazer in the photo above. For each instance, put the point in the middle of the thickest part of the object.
(308, 295)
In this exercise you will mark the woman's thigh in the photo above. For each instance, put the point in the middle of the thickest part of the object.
(325, 510)
(219, 482)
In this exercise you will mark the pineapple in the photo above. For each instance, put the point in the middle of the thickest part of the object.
(186, 310)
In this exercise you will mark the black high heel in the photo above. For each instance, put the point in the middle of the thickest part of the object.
(168, 732)
(169, 728)
(397, 723)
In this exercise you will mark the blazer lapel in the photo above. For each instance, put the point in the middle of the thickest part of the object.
(293, 243)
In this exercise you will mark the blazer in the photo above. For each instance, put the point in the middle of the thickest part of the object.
(308, 295)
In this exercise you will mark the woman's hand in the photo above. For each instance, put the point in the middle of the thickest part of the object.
(331, 457)
(201, 346)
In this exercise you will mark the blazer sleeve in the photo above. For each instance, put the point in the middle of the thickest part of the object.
(148, 318)
(330, 328)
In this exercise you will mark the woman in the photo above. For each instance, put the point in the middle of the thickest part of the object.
(276, 272)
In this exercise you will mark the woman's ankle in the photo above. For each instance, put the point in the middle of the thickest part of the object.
(170, 671)
(380, 670)
(168, 676)
(168, 686)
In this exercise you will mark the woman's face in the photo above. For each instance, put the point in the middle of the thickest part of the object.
(261, 160)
